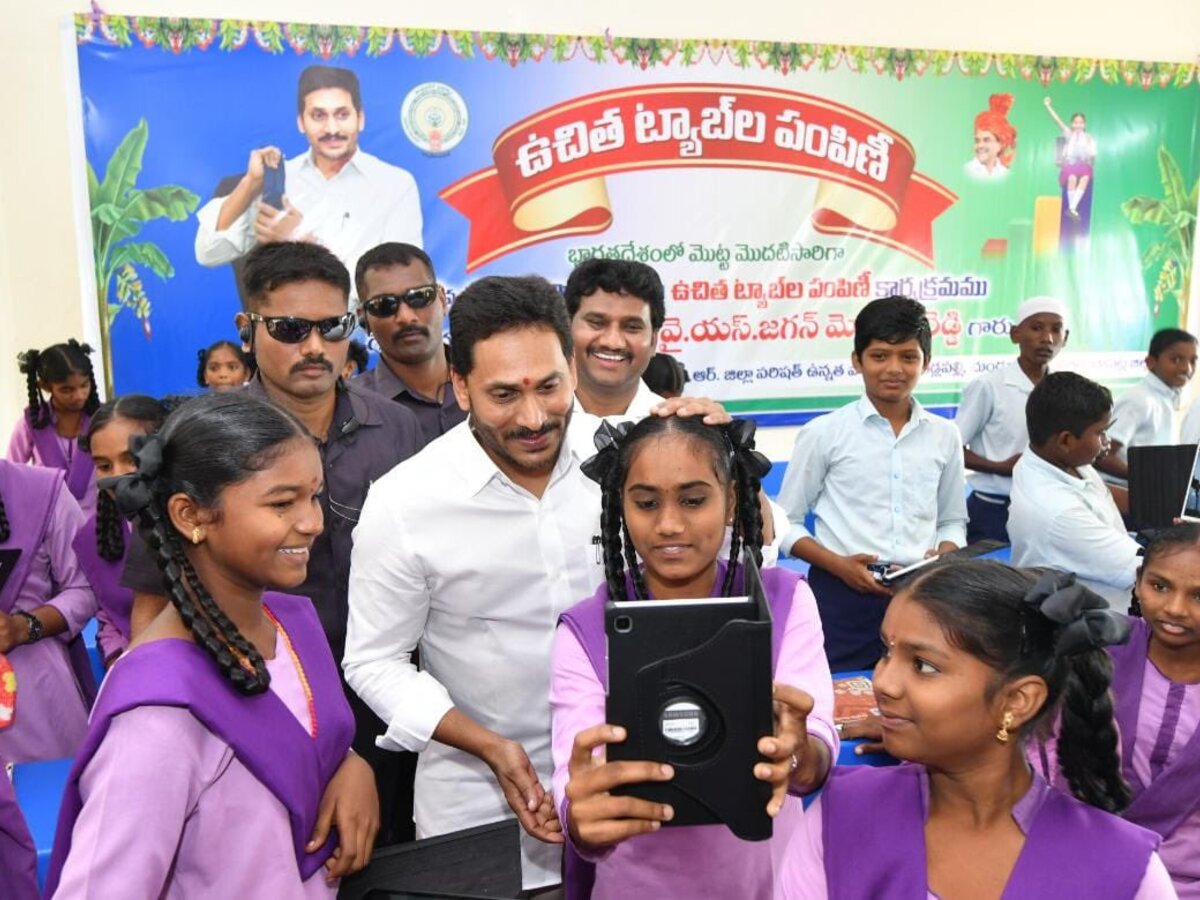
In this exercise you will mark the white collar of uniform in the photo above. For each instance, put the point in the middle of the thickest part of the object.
(1015, 376)
(1157, 386)
(359, 163)
(865, 409)
(1048, 471)
(476, 469)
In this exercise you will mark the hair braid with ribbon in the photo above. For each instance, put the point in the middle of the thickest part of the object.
(1045, 624)
(5, 529)
(206, 444)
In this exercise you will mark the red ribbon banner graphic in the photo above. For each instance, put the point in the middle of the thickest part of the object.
(548, 177)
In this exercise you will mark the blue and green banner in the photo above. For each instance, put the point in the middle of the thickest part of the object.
(776, 186)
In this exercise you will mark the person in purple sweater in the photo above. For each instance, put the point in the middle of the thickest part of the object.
(217, 760)
(669, 488)
(977, 655)
(103, 540)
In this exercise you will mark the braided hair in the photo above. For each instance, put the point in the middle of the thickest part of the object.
(733, 464)
(983, 609)
(5, 529)
(1165, 541)
(49, 366)
(149, 414)
(204, 446)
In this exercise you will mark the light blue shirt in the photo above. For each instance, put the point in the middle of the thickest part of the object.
(872, 491)
(991, 420)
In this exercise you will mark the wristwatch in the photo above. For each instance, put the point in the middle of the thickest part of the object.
(35, 625)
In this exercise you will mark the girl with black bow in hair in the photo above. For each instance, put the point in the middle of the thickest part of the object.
(217, 760)
(976, 655)
(1156, 691)
(670, 486)
(48, 432)
(104, 538)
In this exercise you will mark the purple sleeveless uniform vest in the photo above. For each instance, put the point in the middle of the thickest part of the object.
(1162, 805)
(105, 575)
(78, 471)
(262, 732)
(874, 833)
(586, 621)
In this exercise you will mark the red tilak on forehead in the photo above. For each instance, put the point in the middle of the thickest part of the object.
(525, 381)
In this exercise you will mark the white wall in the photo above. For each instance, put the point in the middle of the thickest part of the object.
(40, 279)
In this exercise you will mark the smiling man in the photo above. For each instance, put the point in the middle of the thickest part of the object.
(334, 194)
(616, 309)
(471, 550)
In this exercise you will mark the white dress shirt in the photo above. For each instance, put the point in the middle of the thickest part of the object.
(1072, 524)
(977, 170)
(1189, 431)
(450, 554)
(872, 491)
(1143, 415)
(991, 420)
(365, 204)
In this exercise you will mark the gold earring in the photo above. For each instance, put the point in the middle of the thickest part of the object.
(196, 535)
(1005, 724)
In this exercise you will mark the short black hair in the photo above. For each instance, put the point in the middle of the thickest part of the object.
(271, 266)
(357, 353)
(1065, 401)
(316, 78)
(1165, 337)
(616, 276)
(236, 349)
(893, 320)
(497, 304)
(384, 256)
(665, 375)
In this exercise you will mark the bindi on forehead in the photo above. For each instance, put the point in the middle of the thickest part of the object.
(525, 381)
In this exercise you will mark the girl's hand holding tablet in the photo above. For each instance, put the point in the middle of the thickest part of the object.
(797, 761)
(596, 818)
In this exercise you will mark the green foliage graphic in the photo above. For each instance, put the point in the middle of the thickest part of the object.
(119, 210)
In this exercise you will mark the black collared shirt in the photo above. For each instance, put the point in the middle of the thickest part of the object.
(436, 416)
(367, 437)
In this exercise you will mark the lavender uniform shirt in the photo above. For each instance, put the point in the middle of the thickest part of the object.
(51, 712)
(699, 860)
(23, 448)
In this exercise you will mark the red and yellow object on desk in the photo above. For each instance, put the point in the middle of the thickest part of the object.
(8, 692)
(853, 698)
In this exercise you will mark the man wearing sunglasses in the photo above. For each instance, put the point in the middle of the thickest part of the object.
(298, 325)
(404, 310)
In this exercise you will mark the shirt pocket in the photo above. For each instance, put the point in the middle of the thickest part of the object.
(921, 477)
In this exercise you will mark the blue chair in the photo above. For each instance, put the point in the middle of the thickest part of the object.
(95, 654)
(39, 787)
(774, 479)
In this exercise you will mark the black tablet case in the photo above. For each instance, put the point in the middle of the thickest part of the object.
(1159, 475)
(717, 655)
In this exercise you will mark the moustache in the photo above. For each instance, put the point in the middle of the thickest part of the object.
(326, 138)
(410, 329)
(310, 361)
(518, 434)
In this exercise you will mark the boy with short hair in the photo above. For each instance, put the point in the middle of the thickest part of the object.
(1145, 414)
(1062, 514)
(883, 478)
(991, 415)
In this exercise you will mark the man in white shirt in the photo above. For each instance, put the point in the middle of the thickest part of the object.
(991, 415)
(1062, 514)
(473, 551)
(1146, 413)
(882, 476)
(335, 194)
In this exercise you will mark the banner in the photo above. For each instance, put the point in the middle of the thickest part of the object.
(776, 187)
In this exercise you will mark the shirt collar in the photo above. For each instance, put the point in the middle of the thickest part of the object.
(351, 403)
(357, 163)
(477, 469)
(392, 385)
(1015, 376)
(1046, 469)
(1157, 386)
(866, 409)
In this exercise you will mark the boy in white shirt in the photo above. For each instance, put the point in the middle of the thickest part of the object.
(1062, 514)
(883, 478)
(991, 415)
(1145, 414)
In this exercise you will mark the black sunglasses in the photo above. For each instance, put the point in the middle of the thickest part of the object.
(385, 305)
(293, 330)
